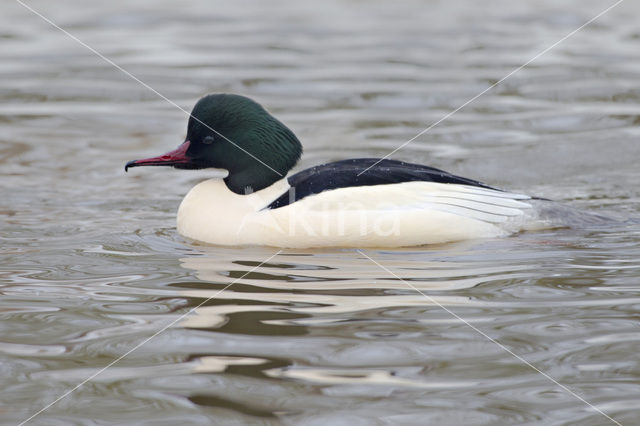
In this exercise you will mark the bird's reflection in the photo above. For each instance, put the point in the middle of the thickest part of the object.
(269, 319)
(295, 289)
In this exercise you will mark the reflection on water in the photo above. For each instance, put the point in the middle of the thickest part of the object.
(91, 265)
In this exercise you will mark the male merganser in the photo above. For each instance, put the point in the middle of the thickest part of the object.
(363, 202)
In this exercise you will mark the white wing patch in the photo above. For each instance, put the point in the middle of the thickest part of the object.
(486, 205)
(478, 203)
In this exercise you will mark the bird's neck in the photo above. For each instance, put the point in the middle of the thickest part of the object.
(247, 181)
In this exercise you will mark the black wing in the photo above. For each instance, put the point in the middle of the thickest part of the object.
(345, 173)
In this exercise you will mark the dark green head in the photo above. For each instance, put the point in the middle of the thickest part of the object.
(234, 133)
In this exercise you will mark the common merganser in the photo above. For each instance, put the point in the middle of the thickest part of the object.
(362, 202)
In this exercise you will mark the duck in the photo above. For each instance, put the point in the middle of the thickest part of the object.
(359, 202)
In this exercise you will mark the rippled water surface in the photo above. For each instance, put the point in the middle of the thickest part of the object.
(91, 264)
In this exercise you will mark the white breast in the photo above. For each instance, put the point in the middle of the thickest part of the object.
(393, 215)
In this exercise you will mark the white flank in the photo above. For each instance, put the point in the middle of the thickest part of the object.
(393, 215)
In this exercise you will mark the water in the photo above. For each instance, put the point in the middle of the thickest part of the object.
(92, 265)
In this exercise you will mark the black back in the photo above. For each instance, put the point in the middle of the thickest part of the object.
(344, 174)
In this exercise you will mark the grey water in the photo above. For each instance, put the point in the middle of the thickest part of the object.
(91, 265)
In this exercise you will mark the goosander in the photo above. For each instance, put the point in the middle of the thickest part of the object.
(362, 202)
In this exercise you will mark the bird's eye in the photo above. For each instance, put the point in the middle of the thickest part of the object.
(208, 140)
